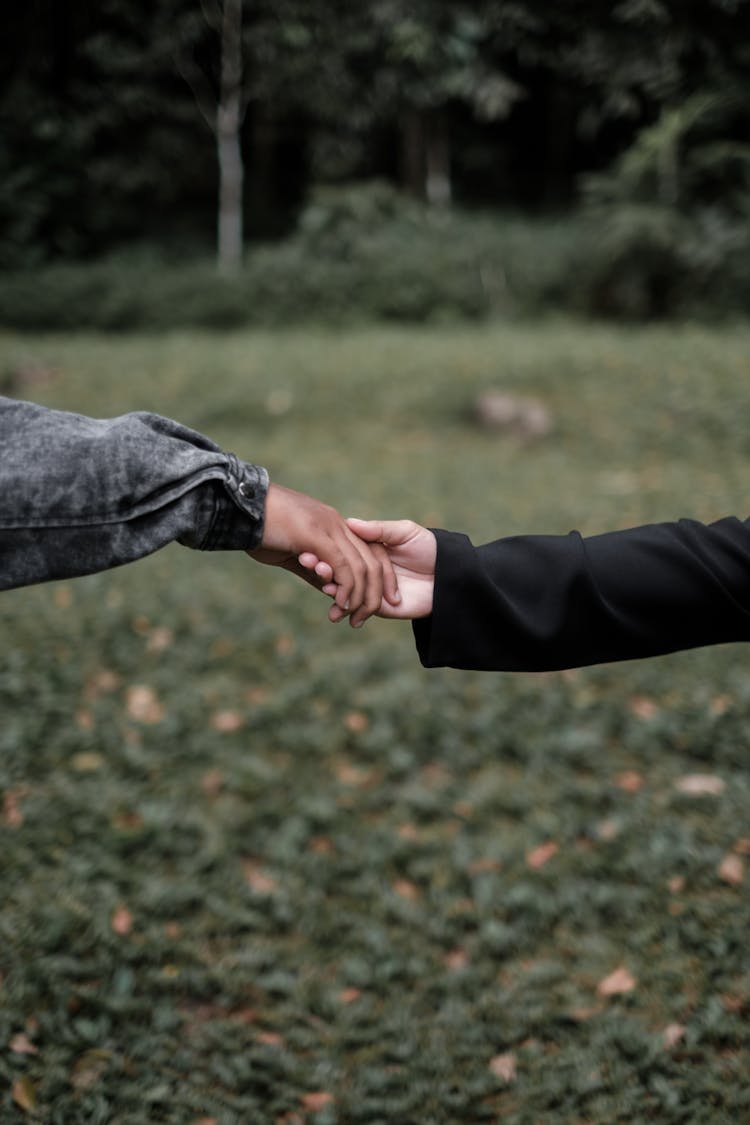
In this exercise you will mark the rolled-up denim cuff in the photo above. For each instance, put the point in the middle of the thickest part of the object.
(234, 510)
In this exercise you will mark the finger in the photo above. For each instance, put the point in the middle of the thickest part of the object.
(336, 614)
(330, 589)
(367, 593)
(391, 591)
(310, 561)
(369, 530)
(373, 592)
(343, 561)
(391, 532)
(387, 586)
(350, 575)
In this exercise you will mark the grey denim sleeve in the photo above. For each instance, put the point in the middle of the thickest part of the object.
(78, 494)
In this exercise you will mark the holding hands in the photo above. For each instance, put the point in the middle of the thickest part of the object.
(313, 541)
(367, 566)
(407, 549)
(523, 603)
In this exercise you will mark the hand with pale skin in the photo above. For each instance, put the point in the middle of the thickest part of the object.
(297, 526)
(411, 550)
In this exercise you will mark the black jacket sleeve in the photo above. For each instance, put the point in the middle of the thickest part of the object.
(542, 602)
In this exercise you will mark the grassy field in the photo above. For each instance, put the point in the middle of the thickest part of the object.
(259, 869)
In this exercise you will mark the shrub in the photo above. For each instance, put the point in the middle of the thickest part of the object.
(368, 253)
(668, 225)
(360, 253)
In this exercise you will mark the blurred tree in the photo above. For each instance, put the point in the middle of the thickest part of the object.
(501, 101)
(437, 58)
(96, 125)
(412, 66)
(224, 113)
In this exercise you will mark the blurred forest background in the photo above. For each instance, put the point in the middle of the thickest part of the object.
(389, 159)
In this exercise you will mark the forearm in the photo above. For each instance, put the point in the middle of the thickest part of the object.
(79, 495)
(532, 603)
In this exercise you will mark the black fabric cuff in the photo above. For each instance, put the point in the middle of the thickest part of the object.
(437, 636)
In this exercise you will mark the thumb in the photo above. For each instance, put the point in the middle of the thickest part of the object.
(391, 532)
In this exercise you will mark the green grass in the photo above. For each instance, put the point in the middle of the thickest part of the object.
(335, 897)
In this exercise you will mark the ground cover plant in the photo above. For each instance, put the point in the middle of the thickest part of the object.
(259, 869)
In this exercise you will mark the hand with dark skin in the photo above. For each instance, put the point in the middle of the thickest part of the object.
(296, 525)
(411, 551)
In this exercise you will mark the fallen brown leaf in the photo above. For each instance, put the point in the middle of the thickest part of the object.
(143, 705)
(720, 704)
(24, 1094)
(101, 683)
(607, 830)
(21, 1045)
(407, 832)
(127, 820)
(84, 719)
(504, 1067)
(672, 1034)
(355, 776)
(617, 983)
(541, 855)
(349, 995)
(732, 1003)
(316, 1100)
(227, 721)
(583, 1015)
(63, 597)
(271, 1038)
(732, 870)
(122, 921)
(159, 639)
(643, 707)
(404, 888)
(701, 785)
(12, 816)
(87, 761)
(89, 1069)
(356, 721)
(629, 780)
(257, 878)
(456, 960)
(484, 865)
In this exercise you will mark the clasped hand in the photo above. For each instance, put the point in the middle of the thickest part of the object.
(366, 567)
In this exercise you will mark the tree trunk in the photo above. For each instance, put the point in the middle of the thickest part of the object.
(438, 161)
(425, 157)
(229, 153)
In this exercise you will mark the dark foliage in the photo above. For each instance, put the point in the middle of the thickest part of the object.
(502, 104)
